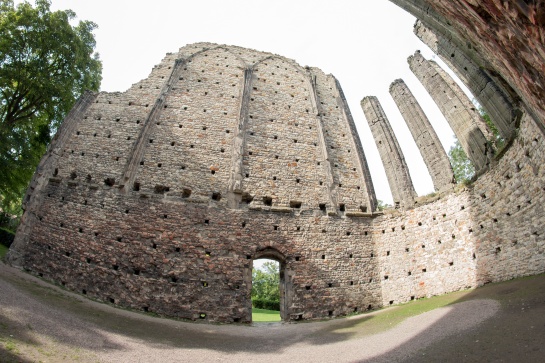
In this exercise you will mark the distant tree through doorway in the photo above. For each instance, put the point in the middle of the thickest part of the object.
(266, 291)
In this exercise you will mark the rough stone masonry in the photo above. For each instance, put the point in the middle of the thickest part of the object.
(160, 198)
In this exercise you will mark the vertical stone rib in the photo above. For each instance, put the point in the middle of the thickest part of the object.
(392, 157)
(461, 115)
(239, 140)
(33, 199)
(497, 103)
(316, 109)
(424, 135)
(139, 147)
(360, 155)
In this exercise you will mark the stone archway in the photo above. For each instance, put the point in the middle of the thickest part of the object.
(286, 290)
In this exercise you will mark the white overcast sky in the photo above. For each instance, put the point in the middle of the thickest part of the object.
(363, 43)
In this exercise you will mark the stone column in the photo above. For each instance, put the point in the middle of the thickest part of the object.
(424, 135)
(392, 157)
(497, 102)
(463, 118)
(361, 160)
(239, 143)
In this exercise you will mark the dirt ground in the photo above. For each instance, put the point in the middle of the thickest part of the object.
(502, 322)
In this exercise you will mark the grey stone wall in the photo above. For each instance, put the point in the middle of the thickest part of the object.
(159, 198)
(424, 135)
(489, 231)
(129, 208)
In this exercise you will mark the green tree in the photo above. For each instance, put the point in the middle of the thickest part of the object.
(498, 141)
(265, 286)
(45, 65)
(461, 166)
(381, 205)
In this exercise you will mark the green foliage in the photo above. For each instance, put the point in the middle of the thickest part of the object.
(462, 167)
(392, 316)
(3, 251)
(265, 316)
(498, 141)
(6, 237)
(266, 304)
(382, 206)
(265, 286)
(45, 65)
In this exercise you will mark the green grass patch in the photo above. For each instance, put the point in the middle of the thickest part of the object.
(392, 316)
(265, 316)
(3, 251)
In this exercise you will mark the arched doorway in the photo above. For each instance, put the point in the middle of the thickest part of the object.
(284, 295)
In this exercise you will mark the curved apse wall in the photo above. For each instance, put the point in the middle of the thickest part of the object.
(148, 204)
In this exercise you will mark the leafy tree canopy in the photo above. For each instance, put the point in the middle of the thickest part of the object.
(381, 205)
(45, 65)
(266, 282)
(461, 166)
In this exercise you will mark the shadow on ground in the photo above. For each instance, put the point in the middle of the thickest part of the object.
(39, 321)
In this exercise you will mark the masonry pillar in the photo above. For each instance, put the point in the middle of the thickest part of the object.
(468, 126)
(392, 157)
(424, 135)
(360, 155)
(239, 144)
(497, 102)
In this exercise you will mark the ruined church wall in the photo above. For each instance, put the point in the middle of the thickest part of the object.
(490, 231)
(190, 256)
(508, 210)
(185, 259)
(282, 157)
(103, 139)
(190, 145)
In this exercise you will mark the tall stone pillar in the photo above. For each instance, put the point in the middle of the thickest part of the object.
(392, 157)
(424, 135)
(463, 118)
(496, 101)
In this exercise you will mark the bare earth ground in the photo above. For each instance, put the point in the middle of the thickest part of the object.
(502, 322)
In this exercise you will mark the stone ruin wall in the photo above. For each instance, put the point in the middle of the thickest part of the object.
(147, 200)
(490, 231)
(496, 48)
(121, 217)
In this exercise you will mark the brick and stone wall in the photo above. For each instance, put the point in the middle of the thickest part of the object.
(489, 231)
(160, 198)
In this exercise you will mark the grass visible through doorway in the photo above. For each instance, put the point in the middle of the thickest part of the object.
(265, 316)
(3, 251)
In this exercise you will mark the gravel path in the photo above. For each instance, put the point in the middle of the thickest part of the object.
(39, 322)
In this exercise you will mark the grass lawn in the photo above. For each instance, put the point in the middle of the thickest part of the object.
(3, 251)
(265, 316)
